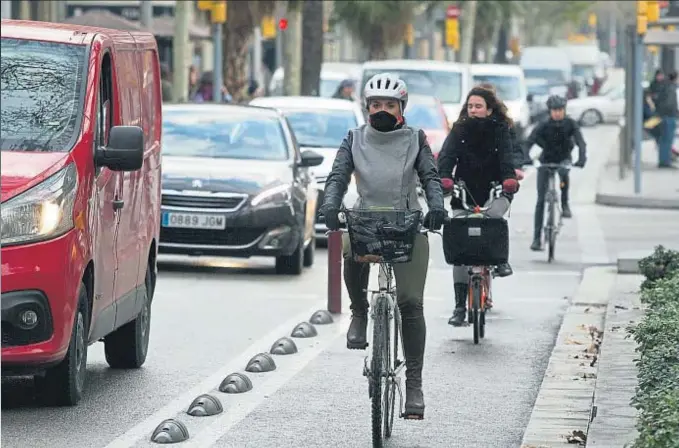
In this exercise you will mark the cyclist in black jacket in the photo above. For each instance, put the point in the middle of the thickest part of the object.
(557, 138)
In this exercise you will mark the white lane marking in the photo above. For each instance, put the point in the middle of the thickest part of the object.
(247, 403)
(591, 238)
(145, 428)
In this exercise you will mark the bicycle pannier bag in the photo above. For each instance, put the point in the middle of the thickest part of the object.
(476, 241)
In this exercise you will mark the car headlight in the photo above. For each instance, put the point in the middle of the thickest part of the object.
(43, 212)
(275, 195)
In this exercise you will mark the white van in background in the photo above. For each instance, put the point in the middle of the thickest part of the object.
(549, 63)
(448, 81)
(511, 88)
(332, 74)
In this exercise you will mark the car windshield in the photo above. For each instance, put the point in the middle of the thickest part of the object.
(538, 89)
(508, 87)
(321, 128)
(41, 94)
(423, 116)
(583, 71)
(552, 76)
(223, 136)
(328, 87)
(444, 85)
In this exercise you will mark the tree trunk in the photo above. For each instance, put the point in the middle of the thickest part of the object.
(376, 48)
(312, 47)
(292, 57)
(237, 33)
(503, 42)
(467, 47)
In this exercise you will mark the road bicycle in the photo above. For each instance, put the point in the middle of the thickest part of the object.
(554, 220)
(469, 244)
(384, 237)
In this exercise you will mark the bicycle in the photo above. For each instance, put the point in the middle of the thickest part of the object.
(477, 253)
(552, 226)
(383, 237)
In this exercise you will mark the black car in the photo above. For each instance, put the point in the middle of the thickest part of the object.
(236, 184)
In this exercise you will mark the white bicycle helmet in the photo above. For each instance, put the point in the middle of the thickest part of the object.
(386, 85)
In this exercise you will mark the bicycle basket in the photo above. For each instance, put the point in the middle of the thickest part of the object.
(388, 234)
(476, 241)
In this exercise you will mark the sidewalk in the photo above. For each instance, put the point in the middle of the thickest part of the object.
(659, 187)
(584, 399)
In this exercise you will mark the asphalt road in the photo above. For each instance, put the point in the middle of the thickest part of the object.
(211, 316)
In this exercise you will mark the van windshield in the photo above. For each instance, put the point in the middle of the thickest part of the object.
(444, 85)
(508, 87)
(41, 94)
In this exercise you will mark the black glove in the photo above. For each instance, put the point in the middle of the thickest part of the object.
(433, 220)
(581, 162)
(331, 219)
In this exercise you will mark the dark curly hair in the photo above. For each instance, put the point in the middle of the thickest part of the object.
(492, 103)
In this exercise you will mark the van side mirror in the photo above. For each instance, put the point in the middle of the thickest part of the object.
(125, 150)
(310, 158)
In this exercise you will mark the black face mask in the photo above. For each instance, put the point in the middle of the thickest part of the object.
(383, 121)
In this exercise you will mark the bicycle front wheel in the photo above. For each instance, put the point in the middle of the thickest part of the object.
(475, 307)
(378, 369)
(550, 231)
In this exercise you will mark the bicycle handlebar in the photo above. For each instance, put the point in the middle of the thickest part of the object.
(460, 192)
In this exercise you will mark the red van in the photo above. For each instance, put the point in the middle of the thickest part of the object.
(80, 140)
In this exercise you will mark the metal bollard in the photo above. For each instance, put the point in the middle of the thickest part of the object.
(335, 272)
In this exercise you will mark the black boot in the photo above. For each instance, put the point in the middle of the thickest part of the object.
(565, 209)
(356, 277)
(414, 337)
(460, 313)
(504, 270)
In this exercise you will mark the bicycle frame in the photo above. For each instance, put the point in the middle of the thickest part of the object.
(553, 224)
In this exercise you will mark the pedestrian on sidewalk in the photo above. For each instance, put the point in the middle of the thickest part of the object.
(388, 157)
(666, 108)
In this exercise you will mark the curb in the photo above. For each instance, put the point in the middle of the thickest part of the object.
(564, 401)
(613, 417)
(636, 202)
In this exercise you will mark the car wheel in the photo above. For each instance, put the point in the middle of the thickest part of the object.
(63, 384)
(126, 348)
(292, 264)
(309, 253)
(590, 118)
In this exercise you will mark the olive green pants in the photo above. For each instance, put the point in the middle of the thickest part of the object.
(410, 278)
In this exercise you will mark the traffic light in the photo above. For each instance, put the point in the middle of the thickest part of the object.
(653, 12)
(283, 24)
(268, 27)
(205, 5)
(218, 13)
(410, 35)
(453, 33)
(642, 16)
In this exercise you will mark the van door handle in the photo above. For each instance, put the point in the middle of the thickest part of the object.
(118, 204)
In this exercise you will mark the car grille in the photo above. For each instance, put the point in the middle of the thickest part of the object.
(220, 202)
(230, 237)
(15, 337)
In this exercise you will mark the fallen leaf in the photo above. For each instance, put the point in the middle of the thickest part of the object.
(578, 437)
(596, 358)
(620, 307)
(588, 376)
(615, 328)
(586, 310)
(570, 341)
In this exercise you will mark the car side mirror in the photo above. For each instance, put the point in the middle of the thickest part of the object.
(310, 158)
(125, 150)
(530, 98)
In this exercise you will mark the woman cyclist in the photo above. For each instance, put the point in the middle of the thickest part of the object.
(388, 156)
(479, 148)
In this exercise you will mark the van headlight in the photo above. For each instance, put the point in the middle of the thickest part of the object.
(43, 212)
(276, 195)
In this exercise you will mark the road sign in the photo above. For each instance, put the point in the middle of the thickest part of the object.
(452, 12)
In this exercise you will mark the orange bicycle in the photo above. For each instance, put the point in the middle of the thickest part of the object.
(482, 243)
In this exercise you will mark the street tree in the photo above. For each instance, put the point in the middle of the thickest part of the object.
(377, 25)
(312, 47)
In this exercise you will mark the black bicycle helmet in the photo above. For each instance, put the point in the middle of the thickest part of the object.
(556, 102)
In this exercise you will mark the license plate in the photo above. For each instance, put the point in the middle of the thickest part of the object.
(193, 221)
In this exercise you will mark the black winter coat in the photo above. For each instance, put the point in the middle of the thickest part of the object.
(480, 150)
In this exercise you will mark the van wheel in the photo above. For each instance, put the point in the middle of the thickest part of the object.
(292, 264)
(126, 348)
(309, 253)
(63, 384)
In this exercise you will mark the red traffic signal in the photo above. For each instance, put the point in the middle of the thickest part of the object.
(283, 24)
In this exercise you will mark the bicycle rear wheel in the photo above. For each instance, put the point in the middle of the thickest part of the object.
(378, 367)
(475, 307)
(550, 228)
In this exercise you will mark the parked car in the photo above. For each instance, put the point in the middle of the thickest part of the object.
(81, 136)
(592, 110)
(426, 113)
(332, 74)
(236, 184)
(447, 81)
(319, 124)
(510, 85)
